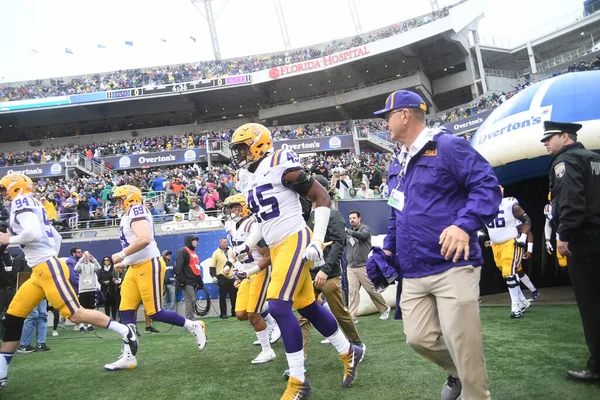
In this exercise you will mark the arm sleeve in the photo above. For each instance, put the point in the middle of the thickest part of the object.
(335, 234)
(57, 239)
(33, 231)
(97, 266)
(548, 229)
(571, 200)
(475, 176)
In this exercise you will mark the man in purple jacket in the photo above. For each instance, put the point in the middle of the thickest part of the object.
(441, 192)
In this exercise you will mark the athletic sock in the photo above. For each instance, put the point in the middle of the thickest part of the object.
(4, 361)
(525, 279)
(189, 325)
(117, 327)
(263, 338)
(296, 364)
(339, 341)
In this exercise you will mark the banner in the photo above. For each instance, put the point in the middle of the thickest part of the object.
(35, 170)
(173, 157)
(467, 124)
(314, 145)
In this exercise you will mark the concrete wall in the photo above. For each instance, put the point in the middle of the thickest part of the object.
(452, 82)
(497, 84)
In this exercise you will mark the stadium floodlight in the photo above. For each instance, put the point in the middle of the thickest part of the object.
(210, 20)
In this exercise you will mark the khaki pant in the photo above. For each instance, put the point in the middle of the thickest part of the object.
(332, 289)
(442, 324)
(358, 277)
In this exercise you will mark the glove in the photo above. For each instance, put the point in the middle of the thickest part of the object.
(549, 247)
(314, 252)
(241, 252)
(522, 240)
(215, 280)
(240, 275)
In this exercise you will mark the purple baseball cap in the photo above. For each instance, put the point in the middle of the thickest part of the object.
(402, 99)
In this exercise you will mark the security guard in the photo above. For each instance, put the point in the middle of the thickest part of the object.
(575, 187)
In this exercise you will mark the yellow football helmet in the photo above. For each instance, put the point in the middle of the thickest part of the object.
(13, 185)
(250, 143)
(129, 194)
(236, 199)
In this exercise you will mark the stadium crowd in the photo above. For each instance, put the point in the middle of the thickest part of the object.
(96, 151)
(582, 66)
(203, 70)
(193, 192)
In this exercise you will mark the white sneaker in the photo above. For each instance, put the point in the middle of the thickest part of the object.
(264, 357)
(275, 334)
(386, 314)
(364, 348)
(199, 332)
(54, 333)
(124, 362)
(524, 305)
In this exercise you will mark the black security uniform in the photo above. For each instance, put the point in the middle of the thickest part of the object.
(575, 186)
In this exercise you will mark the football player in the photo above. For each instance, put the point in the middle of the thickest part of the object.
(508, 243)
(145, 276)
(562, 260)
(30, 228)
(253, 273)
(272, 182)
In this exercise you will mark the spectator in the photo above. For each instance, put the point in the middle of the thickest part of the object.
(83, 211)
(87, 267)
(375, 180)
(150, 207)
(222, 273)
(358, 246)
(188, 274)
(170, 281)
(364, 192)
(437, 249)
(196, 213)
(211, 198)
(38, 320)
(183, 202)
(50, 208)
(106, 276)
(76, 255)
(383, 188)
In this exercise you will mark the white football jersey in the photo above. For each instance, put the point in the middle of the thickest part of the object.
(237, 235)
(276, 207)
(135, 213)
(504, 226)
(548, 211)
(49, 244)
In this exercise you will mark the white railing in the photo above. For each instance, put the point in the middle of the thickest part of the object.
(498, 73)
(90, 166)
(561, 59)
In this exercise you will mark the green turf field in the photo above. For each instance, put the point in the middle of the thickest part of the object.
(526, 358)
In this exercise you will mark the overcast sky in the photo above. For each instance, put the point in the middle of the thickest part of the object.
(244, 27)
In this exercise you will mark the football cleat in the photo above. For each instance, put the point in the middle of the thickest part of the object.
(296, 390)
(264, 357)
(516, 314)
(124, 362)
(199, 332)
(350, 361)
(534, 295)
(3, 382)
(131, 339)
(524, 305)
(275, 334)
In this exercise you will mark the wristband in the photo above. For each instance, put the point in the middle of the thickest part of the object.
(253, 270)
(530, 247)
(122, 255)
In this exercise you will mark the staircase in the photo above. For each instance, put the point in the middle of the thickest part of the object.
(90, 167)
(218, 146)
(375, 136)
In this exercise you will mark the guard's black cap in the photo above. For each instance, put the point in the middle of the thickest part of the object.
(552, 128)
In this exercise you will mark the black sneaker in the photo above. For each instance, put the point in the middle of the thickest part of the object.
(25, 349)
(42, 347)
(131, 339)
(151, 329)
(91, 329)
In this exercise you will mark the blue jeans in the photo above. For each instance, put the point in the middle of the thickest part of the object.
(170, 291)
(37, 319)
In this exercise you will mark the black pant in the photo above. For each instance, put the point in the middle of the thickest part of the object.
(6, 295)
(584, 269)
(226, 286)
(56, 314)
(88, 300)
(110, 304)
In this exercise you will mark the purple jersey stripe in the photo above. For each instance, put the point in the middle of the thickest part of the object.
(57, 284)
(263, 291)
(307, 233)
(291, 268)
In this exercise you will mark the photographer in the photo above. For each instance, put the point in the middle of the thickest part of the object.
(340, 184)
(86, 267)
